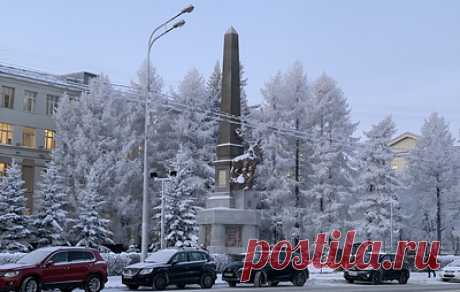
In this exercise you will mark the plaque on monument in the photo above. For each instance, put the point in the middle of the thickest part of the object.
(233, 236)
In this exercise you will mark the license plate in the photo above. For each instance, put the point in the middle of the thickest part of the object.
(228, 274)
(127, 277)
(353, 273)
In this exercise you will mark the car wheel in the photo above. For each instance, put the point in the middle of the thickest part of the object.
(180, 286)
(273, 283)
(30, 285)
(207, 281)
(160, 282)
(232, 284)
(93, 284)
(259, 279)
(133, 287)
(299, 278)
(349, 280)
(376, 278)
(403, 278)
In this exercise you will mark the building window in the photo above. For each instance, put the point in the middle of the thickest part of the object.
(49, 139)
(51, 104)
(6, 134)
(28, 137)
(3, 167)
(29, 101)
(7, 97)
(73, 98)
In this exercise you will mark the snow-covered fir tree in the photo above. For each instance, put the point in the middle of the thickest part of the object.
(331, 159)
(181, 203)
(433, 174)
(14, 224)
(285, 102)
(214, 91)
(91, 228)
(103, 124)
(194, 129)
(377, 185)
(50, 222)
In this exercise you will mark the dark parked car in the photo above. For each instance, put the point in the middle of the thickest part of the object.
(175, 266)
(64, 268)
(232, 273)
(380, 275)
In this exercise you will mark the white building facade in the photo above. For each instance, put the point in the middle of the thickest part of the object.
(28, 101)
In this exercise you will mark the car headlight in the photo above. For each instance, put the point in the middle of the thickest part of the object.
(10, 274)
(146, 271)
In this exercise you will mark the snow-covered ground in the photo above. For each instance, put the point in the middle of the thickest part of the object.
(324, 279)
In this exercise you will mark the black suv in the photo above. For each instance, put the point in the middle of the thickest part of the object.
(178, 266)
(377, 276)
(232, 273)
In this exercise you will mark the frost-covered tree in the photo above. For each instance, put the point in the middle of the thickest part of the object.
(377, 184)
(214, 91)
(433, 173)
(194, 129)
(282, 174)
(50, 222)
(333, 149)
(103, 124)
(91, 228)
(14, 224)
(181, 203)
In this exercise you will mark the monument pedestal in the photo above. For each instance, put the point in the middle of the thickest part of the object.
(227, 230)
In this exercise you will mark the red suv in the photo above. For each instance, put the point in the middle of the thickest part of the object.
(47, 268)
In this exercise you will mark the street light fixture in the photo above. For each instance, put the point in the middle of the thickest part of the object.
(163, 179)
(145, 197)
(187, 9)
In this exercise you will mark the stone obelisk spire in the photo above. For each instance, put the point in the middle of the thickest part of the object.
(229, 219)
(229, 142)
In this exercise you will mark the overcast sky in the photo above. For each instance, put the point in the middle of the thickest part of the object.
(390, 57)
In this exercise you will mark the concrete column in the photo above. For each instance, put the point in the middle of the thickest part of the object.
(40, 138)
(218, 238)
(249, 232)
(36, 200)
(17, 135)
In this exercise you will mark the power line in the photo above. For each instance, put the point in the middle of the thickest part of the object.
(168, 101)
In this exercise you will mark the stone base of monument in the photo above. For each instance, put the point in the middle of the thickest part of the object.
(228, 230)
(237, 200)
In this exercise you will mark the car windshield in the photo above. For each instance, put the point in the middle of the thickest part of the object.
(162, 256)
(455, 263)
(35, 257)
(367, 257)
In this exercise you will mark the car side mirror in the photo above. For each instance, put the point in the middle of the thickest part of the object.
(49, 263)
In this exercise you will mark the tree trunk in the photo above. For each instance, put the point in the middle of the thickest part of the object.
(438, 213)
(297, 164)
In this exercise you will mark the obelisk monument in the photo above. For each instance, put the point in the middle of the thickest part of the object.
(229, 219)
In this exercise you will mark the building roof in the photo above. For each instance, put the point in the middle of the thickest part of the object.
(62, 81)
(403, 136)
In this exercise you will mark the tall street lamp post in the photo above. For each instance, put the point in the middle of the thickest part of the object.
(145, 197)
(163, 180)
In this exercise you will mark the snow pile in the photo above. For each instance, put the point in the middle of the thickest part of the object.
(221, 261)
(116, 262)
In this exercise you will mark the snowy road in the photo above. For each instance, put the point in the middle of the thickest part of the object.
(327, 282)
